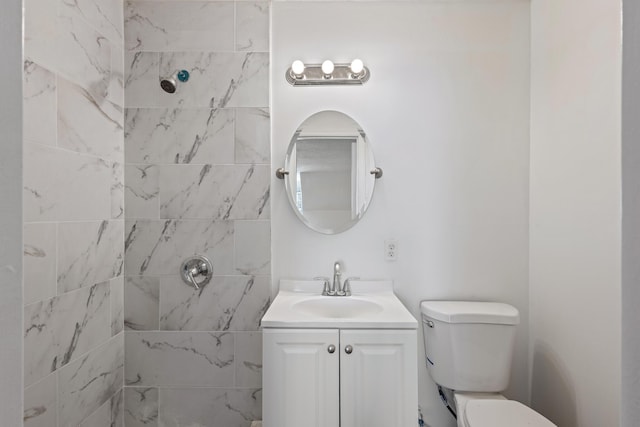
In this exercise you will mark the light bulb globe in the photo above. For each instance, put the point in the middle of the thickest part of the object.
(357, 66)
(327, 67)
(297, 67)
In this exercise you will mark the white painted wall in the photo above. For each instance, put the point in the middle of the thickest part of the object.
(11, 213)
(447, 114)
(575, 211)
(630, 414)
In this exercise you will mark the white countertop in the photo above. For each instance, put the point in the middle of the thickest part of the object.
(372, 305)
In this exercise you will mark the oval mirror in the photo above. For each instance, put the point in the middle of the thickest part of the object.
(329, 164)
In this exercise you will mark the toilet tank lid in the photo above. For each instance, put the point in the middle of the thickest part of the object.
(502, 413)
(470, 312)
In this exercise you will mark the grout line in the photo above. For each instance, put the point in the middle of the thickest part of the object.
(57, 258)
(110, 316)
(235, 26)
(160, 298)
(58, 148)
(235, 359)
(235, 136)
(91, 350)
(78, 221)
(101, 405)
(57, 107)
(57, 398)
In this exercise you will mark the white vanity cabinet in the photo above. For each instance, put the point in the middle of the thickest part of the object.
(379, 379)
(339, 377)
(300, 378)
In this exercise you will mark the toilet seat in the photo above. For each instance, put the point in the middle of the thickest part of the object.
(502, 413)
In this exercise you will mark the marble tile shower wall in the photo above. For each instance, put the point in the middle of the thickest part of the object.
(74, 213)
(197, 182)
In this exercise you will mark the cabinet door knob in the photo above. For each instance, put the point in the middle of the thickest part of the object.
(348, 349)
(331, 349)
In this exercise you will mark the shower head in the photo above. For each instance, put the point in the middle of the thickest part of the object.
(170, 84)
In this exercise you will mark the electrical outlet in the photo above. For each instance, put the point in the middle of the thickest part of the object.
(390, 250)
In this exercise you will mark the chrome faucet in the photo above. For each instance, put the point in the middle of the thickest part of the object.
(336, 287)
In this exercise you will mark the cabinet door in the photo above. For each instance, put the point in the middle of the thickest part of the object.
(378, 379)
(300, 378)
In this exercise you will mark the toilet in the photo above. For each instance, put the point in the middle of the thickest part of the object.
(469, 348)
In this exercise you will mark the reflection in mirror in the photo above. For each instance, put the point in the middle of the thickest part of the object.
(329, 162)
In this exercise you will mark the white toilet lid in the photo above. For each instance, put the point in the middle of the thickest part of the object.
(502, 413)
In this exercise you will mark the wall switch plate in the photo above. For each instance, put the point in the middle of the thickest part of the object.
(390, 250)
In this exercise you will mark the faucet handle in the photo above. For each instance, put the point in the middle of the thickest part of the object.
(347, 285)
(325, 289)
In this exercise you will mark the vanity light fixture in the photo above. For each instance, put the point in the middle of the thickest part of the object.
(327, 73)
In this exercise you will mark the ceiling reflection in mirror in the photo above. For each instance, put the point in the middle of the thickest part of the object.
(329, 164)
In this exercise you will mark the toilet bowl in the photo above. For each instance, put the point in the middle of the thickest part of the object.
(469, 349)
(494, 410)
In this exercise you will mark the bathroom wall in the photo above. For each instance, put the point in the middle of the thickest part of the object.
(447, 115)
(575, 283)
(11, 213)
(630, 413)
(73, 213)
(196, 173)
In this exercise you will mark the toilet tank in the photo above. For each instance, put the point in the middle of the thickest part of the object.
(469, 345)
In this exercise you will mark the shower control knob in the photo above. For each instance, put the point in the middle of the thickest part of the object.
(331, 349)
(348, 349)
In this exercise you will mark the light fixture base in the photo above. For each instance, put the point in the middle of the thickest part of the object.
(314, 76)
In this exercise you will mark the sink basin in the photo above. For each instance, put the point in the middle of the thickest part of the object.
(372, 305)
(336, 307)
